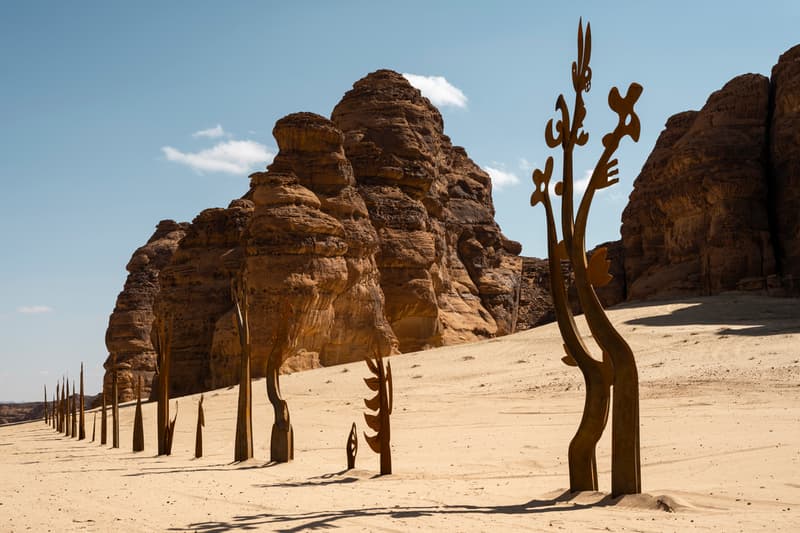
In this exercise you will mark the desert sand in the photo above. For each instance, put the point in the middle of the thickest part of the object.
(479, 442)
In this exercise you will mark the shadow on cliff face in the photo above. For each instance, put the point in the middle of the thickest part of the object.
(740, 314)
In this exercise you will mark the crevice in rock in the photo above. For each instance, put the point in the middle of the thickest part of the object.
(772, 186)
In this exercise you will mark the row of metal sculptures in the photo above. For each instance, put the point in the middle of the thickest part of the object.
(62, 413)
(615, 370)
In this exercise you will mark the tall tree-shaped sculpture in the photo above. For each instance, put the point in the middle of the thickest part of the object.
(198, 437)
(162, 342)
(618, 367)
(65, 393)
(382, 403)
(282, 436)
(243, 449)
(82, 420)
(103, 422)
(115, 406)
(54, 409)
(46, 417)
(138, 423)
(74, 420)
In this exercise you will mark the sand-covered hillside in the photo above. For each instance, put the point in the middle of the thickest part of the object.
(479, 441)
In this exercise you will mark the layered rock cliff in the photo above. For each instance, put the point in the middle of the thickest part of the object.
(128, 334)
(715, 206)
(369, 233)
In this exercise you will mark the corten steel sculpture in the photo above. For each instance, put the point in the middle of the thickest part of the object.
(103, 422)
(94, 426)
(352, 447)
(46, 418)
(115, 407)
(198, 438)
(282, 436)
(617, 367)
(170, 432)
(382, 403)
(243, 449)
(162, 342)
(138, 424)
(74, 420)
(81, 422)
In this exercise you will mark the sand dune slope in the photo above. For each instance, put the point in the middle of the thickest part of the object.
(480, 435)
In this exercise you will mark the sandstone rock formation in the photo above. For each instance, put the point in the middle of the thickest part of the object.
(311, 253)
(784, 137)
(697, 220)
(128, 333)
(195, 293)
(448, 273)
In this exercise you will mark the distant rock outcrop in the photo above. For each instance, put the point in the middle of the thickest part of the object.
(128, 333)
(784, 150)
(370, 233)
(716, 205)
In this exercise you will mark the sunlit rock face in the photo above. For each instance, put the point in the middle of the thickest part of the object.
(128, 334)
(447, 272)
(698, 218)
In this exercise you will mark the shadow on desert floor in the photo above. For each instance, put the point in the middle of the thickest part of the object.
(781, 317)
(328, 519)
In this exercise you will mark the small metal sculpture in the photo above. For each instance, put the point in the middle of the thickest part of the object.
(94, 425)
(169, 432)
(138, 424)
(382, 403)
(81, 423)
(352, 447)
(162, 342)
(243, 449)
(282, 436)
(617, 367)
(46, 417)
(198, 438)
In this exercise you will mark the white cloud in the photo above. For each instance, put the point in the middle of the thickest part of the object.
(438, 90)
(211, 133)
(501, 178)
(579, 186)
(233, 157)
(525, 165)
(34, 309)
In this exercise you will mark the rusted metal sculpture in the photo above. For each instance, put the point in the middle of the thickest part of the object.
(162, 342)
(282, 436)
(82, 421)
(46, 417)
(243, 449)
(103, 421)
(73, 409)
(94, 426)
(115, 406)
(198, 438)
(169, 432)
(617, 367)
(138, 423)
(382, 403)
(352, 447)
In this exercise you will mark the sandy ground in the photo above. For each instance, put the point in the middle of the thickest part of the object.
(479, 442)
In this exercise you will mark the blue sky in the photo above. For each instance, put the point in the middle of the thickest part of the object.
(99, 102)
